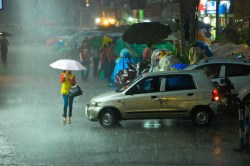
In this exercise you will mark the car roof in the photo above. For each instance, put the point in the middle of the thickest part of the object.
(215, 60)
(223, 60)
(171, 72)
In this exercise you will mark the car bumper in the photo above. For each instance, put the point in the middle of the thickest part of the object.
(215, 107)
(91, 112)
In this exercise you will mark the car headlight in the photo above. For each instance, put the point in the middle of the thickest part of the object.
(93, 104)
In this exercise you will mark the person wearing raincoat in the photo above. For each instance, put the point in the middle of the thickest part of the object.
(122, 62)
(167, 61)
(67, 79)
(155, 59)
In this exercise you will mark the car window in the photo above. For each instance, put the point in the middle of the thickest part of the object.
(211, 70)
(179, 82)
(233, 70)
(148, 85)
(129, 85)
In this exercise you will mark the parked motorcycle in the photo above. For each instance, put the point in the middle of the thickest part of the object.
(226, 95)
(125, 76)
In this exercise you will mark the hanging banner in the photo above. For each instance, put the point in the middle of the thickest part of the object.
(202, 5)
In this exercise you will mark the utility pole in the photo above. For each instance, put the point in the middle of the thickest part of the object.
(180, 45)
(217, 18)
(182, 30)
(248, 17)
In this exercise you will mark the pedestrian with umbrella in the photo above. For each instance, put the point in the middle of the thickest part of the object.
(68, 80)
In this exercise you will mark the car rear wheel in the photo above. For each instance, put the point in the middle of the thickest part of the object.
(108, 118)
(201, 117)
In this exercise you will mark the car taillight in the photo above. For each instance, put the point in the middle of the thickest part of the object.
(215, 95)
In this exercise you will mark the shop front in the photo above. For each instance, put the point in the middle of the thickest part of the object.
(207, 14)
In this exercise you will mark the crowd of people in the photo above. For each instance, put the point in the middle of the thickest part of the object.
(101, 61)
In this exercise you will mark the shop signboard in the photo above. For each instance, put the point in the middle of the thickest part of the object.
(223, 7)
(211, 7)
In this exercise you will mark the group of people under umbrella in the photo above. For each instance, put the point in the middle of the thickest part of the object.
(106, 62)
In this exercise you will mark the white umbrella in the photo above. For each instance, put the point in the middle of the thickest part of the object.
(67, 64)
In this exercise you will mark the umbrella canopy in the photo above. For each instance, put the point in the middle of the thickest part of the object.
(67, 64)
(99, 41)
(146, 32)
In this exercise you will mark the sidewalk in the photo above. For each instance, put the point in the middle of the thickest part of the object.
(8, 155)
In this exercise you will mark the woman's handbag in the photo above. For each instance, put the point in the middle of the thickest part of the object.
(75, 91)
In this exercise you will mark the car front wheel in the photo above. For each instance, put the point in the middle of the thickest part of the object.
(108, 118)
(201, 117)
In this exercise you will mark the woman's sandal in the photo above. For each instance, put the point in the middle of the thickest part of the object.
(64, 121)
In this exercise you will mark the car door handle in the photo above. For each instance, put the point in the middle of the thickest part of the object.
(190, 94)
(154, 97)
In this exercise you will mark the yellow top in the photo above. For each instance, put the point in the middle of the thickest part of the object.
(67, 82)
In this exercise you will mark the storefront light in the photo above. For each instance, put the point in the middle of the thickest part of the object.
(87, 3)
(146, 20)
(111, 21)
(97, 20)
(206, 20)
(106, 22)
(130, 19)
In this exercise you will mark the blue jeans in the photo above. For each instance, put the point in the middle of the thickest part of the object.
(68, 101)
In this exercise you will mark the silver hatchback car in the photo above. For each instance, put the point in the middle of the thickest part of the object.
(237, 70)
(157, 95)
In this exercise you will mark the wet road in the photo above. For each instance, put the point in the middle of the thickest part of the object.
(31, 132)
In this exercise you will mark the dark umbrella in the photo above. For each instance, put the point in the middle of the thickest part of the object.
(146, 32)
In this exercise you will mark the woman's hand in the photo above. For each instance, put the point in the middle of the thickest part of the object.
(66, 76)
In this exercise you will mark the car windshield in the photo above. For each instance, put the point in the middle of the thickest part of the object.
(129, 84)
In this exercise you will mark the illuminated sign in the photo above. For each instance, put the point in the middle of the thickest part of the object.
(202, 5)
(211, 7)
(223, 7)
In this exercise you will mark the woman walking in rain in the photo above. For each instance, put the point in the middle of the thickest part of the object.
(4, 48)
(67, 79)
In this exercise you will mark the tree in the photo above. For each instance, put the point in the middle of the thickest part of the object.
(187, 23)
(239, 8)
